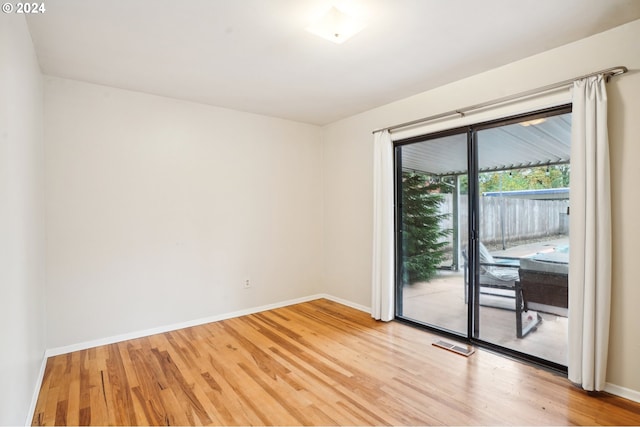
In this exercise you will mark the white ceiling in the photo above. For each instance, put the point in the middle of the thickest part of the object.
(255, 55)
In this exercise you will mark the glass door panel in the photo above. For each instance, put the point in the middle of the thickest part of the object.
(523, 179)
(482, 233)
(432, 207)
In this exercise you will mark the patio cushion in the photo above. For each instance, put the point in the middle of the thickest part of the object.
(501, 274)
(544, 265)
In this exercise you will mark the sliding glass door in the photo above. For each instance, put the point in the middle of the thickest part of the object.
(523, 187)
(482, 233)
(432, 209)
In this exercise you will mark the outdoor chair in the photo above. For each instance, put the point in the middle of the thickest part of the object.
(497, 279)
(543, 286)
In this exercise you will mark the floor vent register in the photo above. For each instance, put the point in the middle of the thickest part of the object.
(465, 351)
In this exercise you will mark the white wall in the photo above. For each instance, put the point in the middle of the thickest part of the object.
(22, 309)
(159, 209)
(348, 168)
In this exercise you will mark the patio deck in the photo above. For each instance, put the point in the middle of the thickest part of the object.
(441, 302)
(529, 249)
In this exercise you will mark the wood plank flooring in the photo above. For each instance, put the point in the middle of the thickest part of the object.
(316, 363)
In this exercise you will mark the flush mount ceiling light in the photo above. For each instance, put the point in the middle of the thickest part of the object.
(533, 122)
(335, 26)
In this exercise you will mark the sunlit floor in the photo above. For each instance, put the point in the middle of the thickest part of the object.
(441, 302)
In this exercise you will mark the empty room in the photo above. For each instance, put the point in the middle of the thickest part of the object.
(285, 212)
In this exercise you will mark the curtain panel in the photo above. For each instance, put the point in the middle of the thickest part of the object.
(382, 275)
(590, 236)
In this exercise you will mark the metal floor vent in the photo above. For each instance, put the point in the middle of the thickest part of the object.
(465, 351)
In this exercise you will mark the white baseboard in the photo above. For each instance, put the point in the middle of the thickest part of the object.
(346, 302)
(168, 328)
(627, 393)
(36, 391)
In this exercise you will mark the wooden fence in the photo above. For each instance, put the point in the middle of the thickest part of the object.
(511, 219)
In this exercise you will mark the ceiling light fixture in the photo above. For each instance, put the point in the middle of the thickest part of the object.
(533, 122)
(336, 26)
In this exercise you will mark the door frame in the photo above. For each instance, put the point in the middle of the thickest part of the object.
(473, 195)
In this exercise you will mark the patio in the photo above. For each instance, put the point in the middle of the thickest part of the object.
(441, 302)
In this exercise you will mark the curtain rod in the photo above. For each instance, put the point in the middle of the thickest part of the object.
(608, 73)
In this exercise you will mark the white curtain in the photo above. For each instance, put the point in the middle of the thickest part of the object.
(590, 236)
(382, 275)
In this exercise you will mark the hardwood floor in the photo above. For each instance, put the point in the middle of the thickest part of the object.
(316, 363)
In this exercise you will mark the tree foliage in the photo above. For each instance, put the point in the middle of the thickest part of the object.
(534, 178)
(424, 239)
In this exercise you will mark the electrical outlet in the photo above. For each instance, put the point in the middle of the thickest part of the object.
(247, 284)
